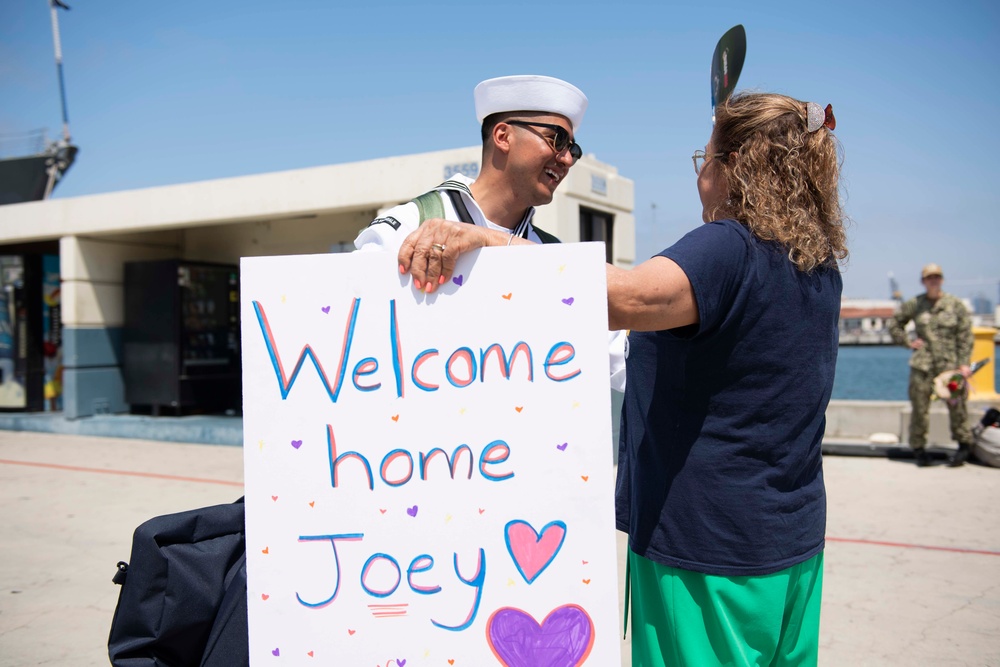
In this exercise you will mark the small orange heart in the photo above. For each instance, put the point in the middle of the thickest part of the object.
(395, 418)
(310, 654)
(508, 295)
(312, 503)
(274, 498)
(264, 596)
(451, 661)
(586, 581)
(264, 550)
(585, 477)
(351, 632)
(519, 408)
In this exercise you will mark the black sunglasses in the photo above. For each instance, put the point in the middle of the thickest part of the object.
(559, 142)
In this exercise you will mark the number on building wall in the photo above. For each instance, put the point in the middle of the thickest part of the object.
(470, 169)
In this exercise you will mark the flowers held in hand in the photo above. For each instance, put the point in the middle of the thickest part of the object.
(951, 387)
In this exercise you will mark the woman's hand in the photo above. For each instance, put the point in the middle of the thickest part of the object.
(429, 253)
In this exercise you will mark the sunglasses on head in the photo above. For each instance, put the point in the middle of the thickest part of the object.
(559, 142)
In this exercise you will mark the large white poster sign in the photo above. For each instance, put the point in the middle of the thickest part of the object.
(429, 478)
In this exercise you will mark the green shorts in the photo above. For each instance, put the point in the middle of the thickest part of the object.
(687, 618)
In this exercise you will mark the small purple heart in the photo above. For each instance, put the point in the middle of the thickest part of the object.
(412, 511)
(563, 639)
(401, 663)
(457, 280)
(562, 447)
(275, 652)
(296, 443)
(326, 309)
(568, 302)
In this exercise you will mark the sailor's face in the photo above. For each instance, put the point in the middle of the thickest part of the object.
(537, 166)
(933, 284)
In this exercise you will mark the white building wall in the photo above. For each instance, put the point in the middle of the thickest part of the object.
(297, 236)
(92, 270)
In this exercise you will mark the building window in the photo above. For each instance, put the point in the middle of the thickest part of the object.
(598, 226)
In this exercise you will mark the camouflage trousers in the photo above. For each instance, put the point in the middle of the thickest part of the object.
(921, 390)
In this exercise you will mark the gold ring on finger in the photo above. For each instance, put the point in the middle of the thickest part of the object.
(438, 246)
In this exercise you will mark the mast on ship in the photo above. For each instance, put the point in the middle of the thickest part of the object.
(61, 152)
(32, 174)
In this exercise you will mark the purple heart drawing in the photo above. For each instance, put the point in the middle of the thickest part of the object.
(457, 280)
(568, 302)
(562, 447)
(275, 652)
(296, 443)
(564, 638)
(400, 663)
(412, 511)
(326, 309)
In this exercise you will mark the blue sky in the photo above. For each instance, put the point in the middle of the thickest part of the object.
(181, 91)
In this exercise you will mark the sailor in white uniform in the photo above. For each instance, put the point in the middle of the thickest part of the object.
(528, 128)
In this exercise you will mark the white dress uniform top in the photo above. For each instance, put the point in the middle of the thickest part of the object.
(388, 231)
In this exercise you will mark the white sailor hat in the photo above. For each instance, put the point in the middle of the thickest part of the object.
(530, 92)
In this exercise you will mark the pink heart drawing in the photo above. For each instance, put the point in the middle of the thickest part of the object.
(296, 443)
(532, 551)
(326, 309)
(412, 511)
(563, 639)
(568, 302)
(457, 280)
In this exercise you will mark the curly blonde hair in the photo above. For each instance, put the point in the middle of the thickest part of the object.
(782, 180)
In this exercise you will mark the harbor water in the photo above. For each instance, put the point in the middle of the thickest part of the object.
(875, 373)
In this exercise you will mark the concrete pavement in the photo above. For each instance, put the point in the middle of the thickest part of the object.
(912, 560)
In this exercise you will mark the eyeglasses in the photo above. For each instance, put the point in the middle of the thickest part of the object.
(701, 157)
(559, 142)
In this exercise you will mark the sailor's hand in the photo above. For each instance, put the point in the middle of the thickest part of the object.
(916, 344)
(430, 252)
(965, 371)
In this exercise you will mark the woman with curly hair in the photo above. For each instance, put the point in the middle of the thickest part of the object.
(730, 366)
(720, 477)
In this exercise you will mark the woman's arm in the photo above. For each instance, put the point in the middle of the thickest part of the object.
(653, 296)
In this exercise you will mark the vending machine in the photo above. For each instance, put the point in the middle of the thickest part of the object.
(30, 338)
(181, 340)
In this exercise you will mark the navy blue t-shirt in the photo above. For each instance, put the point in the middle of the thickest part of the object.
(720, 468)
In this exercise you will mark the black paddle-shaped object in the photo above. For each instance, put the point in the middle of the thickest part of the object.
(727, 63)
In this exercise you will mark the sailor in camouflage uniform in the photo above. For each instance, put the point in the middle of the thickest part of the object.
(943, 342)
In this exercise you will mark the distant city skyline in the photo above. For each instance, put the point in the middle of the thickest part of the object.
(184, 91)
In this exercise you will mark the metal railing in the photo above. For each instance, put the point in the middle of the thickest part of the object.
(20, 144)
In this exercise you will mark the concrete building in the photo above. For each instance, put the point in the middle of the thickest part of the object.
(315, 210)
(866, 321)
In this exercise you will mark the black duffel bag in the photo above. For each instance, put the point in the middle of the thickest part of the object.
(183, 592)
